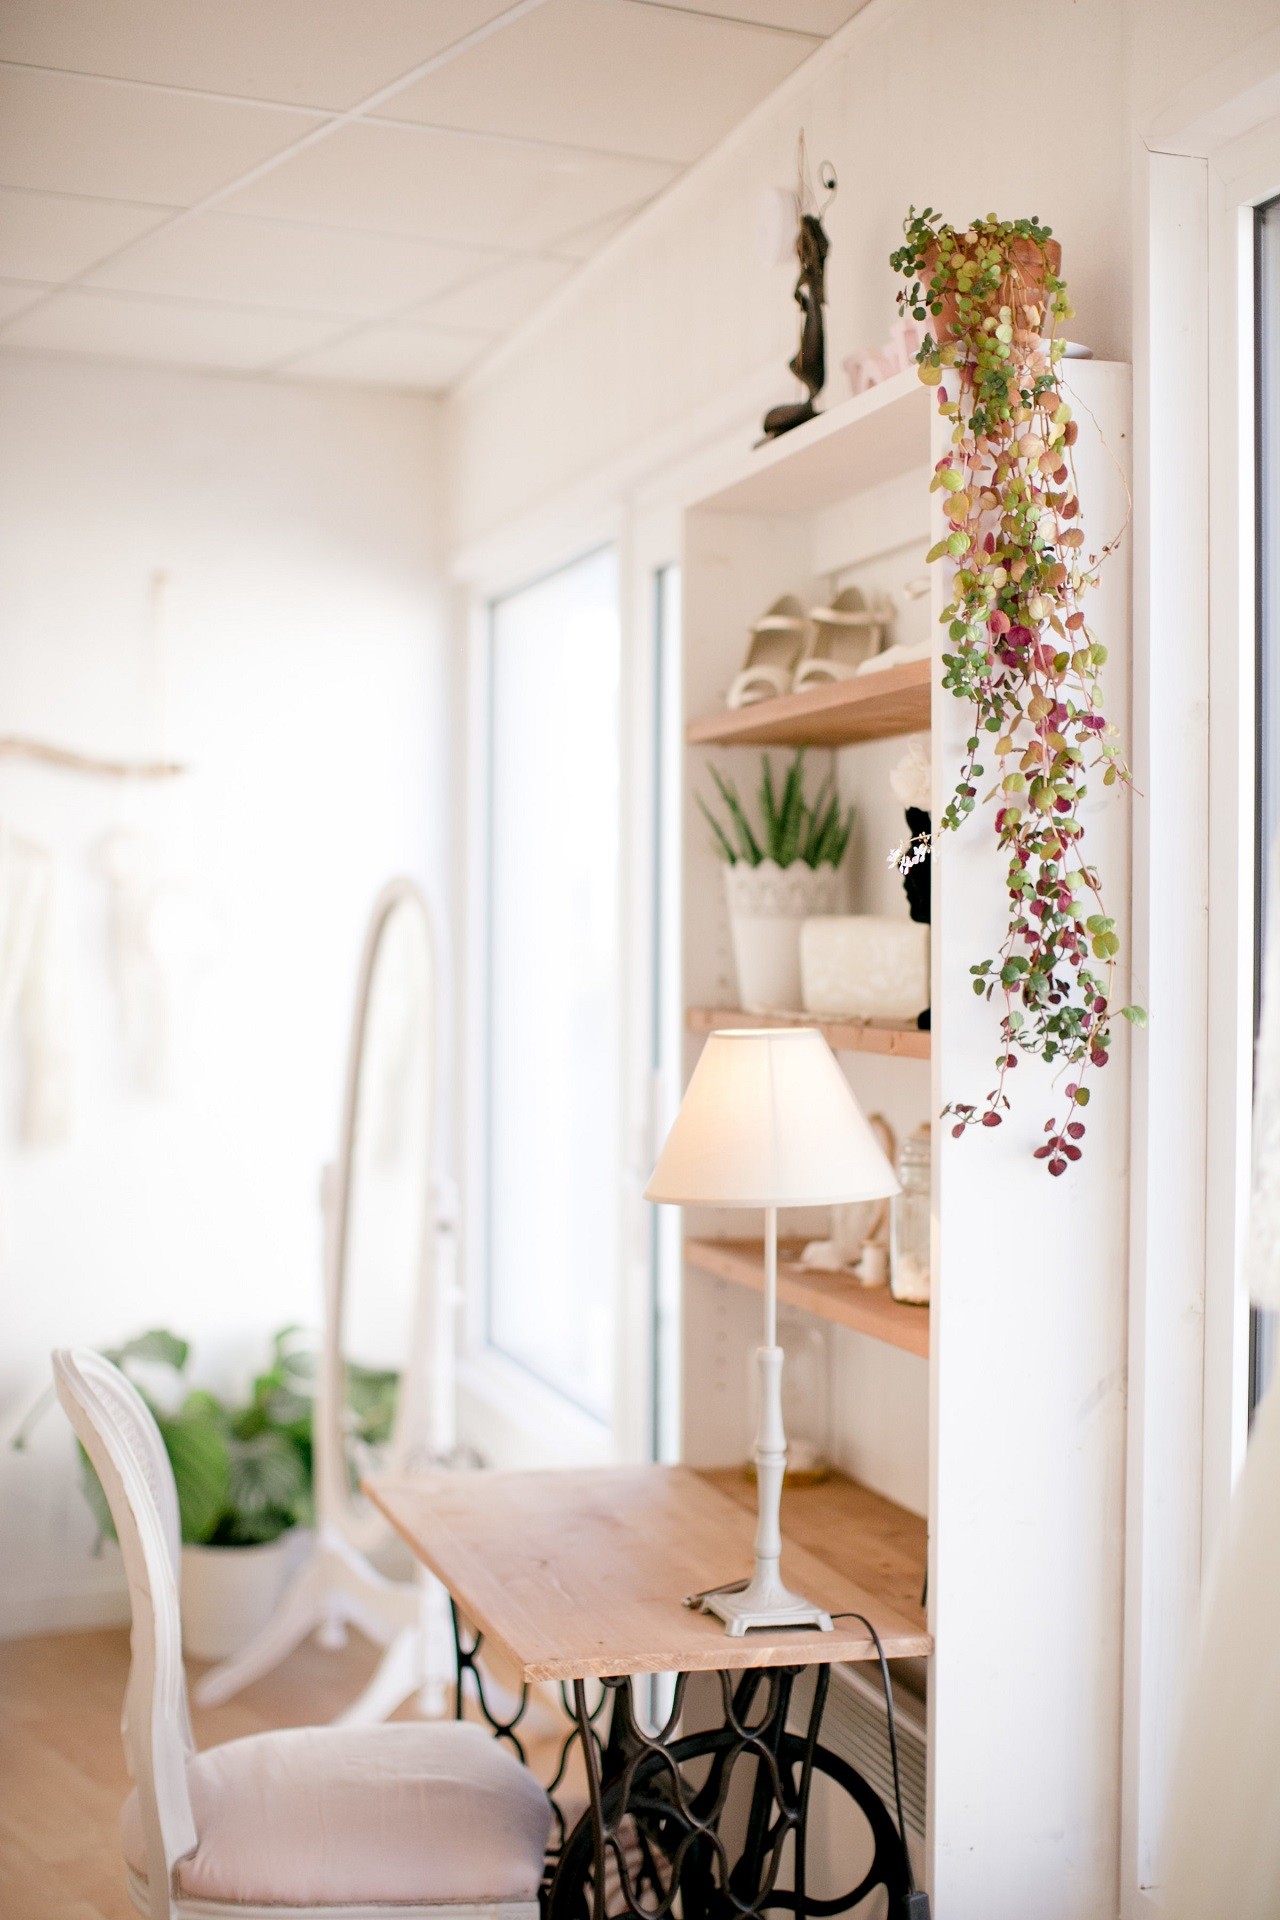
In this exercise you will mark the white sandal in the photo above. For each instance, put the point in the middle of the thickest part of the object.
(845, 636)
(773, 652)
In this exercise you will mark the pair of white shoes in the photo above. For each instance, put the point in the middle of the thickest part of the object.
(790, 651)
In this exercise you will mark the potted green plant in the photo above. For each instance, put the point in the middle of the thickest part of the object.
(776, 876)
(243, 1473)
(1021, 653)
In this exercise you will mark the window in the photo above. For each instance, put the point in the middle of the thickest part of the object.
(553, 1057)
(667, 1025)
(1263, 1335)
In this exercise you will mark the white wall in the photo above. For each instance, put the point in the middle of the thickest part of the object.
(308, 686)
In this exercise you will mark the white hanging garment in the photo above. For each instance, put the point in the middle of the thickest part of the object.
(1222, 1832)
(33, 983)
(161, 939)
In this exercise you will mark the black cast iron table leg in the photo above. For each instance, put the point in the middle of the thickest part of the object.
(467, 1651)
(467, 1660)
(651, 1837)
(657, 1800)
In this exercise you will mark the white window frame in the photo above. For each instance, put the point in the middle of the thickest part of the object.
(510, 1415)
(1210, 158)
(638, 505)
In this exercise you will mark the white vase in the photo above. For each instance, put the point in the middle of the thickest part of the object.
(864, 966)
(768, 905)
(229, 1593)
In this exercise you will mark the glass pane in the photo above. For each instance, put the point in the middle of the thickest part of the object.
(668, 1026)
(1267, 294)
(554, 1092)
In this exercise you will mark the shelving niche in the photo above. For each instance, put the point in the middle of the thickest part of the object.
(958, 1416)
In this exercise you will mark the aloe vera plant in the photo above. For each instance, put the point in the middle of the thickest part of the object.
(792, 829)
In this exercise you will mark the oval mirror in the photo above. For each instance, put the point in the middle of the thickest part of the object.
(380, 1323)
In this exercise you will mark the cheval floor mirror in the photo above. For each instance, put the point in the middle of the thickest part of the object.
(390, 1298)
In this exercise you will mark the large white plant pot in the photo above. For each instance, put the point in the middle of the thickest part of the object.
(768, 905)
(229, 1593)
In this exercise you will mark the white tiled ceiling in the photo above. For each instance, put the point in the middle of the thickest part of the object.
(266, 263)
(823, 17)
(125, 326)
(464, 188)
(55, 236)
(315, 190)
(308, 53)
(640, 80)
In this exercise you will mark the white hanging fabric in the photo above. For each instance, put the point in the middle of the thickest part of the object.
(1222, 1834)
(33, 985)
(161, 938)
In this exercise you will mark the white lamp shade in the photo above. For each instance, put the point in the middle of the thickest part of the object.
(769, 1120)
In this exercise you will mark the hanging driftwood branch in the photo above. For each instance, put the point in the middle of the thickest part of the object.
(48, 753)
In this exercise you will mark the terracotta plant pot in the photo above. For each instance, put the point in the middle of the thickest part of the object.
(1022, 289)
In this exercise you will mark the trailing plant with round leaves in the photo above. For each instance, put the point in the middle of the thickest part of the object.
(1021, 653)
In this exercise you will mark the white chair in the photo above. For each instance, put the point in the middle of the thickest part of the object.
(318, 1823)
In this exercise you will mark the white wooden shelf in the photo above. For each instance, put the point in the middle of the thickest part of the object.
(830, 1296)
(844, 501)
(842, 1036)
(860, 443)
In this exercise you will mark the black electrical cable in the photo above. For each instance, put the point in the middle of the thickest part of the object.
(917, 1907)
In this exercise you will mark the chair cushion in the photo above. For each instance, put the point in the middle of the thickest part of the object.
(327, 1816)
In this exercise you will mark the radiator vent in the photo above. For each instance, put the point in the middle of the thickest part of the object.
(856, 1727)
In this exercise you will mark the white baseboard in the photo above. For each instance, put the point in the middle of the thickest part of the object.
(66, 1607)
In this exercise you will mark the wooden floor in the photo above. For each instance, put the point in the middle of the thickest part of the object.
(62, 1772)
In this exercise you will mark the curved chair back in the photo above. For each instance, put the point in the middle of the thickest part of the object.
(123, 1442)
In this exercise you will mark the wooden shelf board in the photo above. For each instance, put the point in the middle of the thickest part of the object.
(867, 1538)
(858, 444)
(843, 1036)
(872, 706)
(830, 1296)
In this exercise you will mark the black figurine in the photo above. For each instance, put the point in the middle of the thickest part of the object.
(917, 882)
(809, 364)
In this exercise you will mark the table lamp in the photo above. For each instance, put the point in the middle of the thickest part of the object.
(768, 1120)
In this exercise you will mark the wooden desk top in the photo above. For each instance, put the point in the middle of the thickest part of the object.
(580, 1572)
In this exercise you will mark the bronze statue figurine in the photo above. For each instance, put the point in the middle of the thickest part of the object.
(810, 361)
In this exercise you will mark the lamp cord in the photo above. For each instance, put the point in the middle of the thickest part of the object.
(912, 1897)
(893, 1730)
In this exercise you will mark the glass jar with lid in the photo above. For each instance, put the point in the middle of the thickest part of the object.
(910, 1220)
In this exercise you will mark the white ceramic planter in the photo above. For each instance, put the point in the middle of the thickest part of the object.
(229, 1593)
(768, 905)
(864, 966)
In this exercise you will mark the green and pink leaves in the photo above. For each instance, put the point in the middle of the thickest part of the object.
(1019, 650)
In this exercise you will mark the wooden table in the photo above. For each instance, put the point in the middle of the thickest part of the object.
(580, 1573)
(579, 1576)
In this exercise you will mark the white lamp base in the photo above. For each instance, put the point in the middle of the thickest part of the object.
(764, 1603)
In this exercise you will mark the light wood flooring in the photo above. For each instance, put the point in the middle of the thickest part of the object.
(62, 1771)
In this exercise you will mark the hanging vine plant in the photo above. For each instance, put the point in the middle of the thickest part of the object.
(1021, 652)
